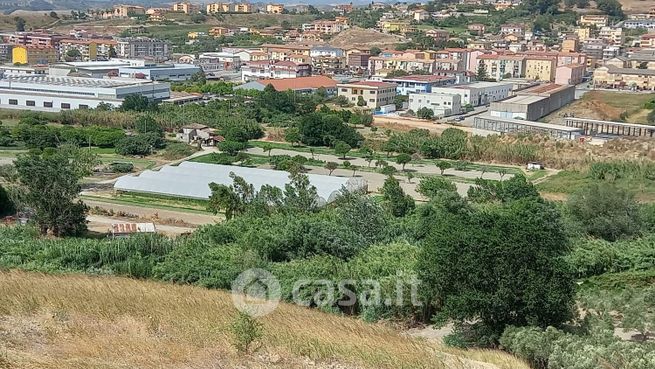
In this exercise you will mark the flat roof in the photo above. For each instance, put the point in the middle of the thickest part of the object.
(370, 84)
(531, 123)
(420, 78)
(522, 99)
(618, 124)
(75, 81)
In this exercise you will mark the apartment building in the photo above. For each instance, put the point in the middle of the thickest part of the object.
(477, 28)
(143, 47)
(255, 70)
(324, 27)
(540, 68)
(613, 36)
(570, 44)
(512, 29)
(214, 8)
(570, 74)
(371, 94)
(87, 49)
(242, 8)
(380, 65)
(125, 11)
(218, 62)
(583, 33)
(439, 35)
(419, 83)
(282, 52)
(184, 7)
(501, 66)
(394, 26)
(613, 77)
(30, 55)
(274, 8)
(593, 20)
(639, 23)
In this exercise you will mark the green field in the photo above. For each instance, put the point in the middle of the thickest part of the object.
(568, 182)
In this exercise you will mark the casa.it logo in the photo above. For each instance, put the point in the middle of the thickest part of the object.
(256, 292)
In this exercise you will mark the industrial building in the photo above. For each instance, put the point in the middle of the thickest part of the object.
(490, 123)
(299, 85)
(479, 93)
(160, 72)
(534, 103)
(191, 180)
(442, 104)
(53, 93)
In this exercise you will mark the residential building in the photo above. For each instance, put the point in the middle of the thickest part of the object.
(583, 33)
(269, 69)
(31, 55)
(161, 72)
(371, 94)
(282, 52)
(87, 49)
(613, 36)
(513, 29)
(380, 65)
(395, 26)
(214, 8)
(343, 8)
(540, 68)
(643, 23)
(421, 15)
(570, 44)
(501, 66)
(479, 45)
(330, 51)
(478, 93)
(274, 8)
(242, 8)
(647, 40)
(54, 93)
(441, 104)
(570, 74)
(476, 28)
(185, 7)
(5, 52)
(326, 27)
(143, 47)
(358, 61)
(125, 11)
(419, 83)
(593, 20)
(439, 35)
(218, 62)
(624, 78)
(299, 85)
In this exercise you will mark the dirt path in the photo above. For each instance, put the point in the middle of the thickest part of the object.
(155, 214)
(102, 224)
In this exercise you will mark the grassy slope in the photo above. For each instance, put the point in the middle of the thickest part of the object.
(107, 322)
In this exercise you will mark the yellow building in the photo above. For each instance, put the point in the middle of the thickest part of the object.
(593, 20)
(124, 11)
(570, 44)
(31, 55)
(185, 7)
(613, 77)
(396, 27)
(583, 33)
(218, 8)
(274, 8)
(243, 8)
(540, 68)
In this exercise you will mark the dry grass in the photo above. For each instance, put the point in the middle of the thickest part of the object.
(75, 321)
(606, 105)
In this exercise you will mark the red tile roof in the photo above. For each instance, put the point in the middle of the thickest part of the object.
(299, 83)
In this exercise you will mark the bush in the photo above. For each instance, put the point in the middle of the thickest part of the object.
(134, 145)
(246, 331)
(591, 257)
(121, 167)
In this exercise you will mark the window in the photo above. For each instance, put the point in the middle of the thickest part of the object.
(65, 105)
(84, 106)
(371, 100)
(47, 104)
(13, 102)
(30, 103)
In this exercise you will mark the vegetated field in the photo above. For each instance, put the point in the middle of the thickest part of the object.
(367, 38)
(62, 321)
(33, 20)
(605, 105)
(257, 20)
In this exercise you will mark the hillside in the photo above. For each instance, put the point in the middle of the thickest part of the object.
(360, 37)
(79, 321)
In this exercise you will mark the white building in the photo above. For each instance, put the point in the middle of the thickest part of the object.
(160, 72)
(53, 94)
(442, 104)
(479, 93)
(218, 62)
(333, 52)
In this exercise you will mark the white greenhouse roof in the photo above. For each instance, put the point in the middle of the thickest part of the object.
(191, 180)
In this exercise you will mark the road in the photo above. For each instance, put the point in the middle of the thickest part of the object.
(153, 214)
(102, 224)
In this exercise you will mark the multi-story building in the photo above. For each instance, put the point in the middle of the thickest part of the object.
(421, 15)
(612, 77)
(242, 8)
(395, 26)
(499, 66)
(570, 43)
(570, 74)
(477, 28)
(334, 52)
(419, 83)
(647, 40)
(143, 47)
(31, 55)
(218, 62)
(282, 52)
(324, 27)
(125, 11)
(439, 35)
(513, 28)
(380, 65)
(479, 93)
(53, 93)
(358, 61)
(441, 104)
(643, 23)
(274, 8)
(87, 49)
(593, 20)
(371, 94)
(254, 70)
(613, 36)
(185, 7)
(5, 52)
(214, 8)
(540, 68)
(583, 33)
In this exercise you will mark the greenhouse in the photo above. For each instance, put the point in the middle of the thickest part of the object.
(191, 180)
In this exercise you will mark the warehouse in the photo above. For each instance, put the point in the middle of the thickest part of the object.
(504, 125)
(53, 94)
(191, 180)
(442, 105)
(534, 103)
(479, 93)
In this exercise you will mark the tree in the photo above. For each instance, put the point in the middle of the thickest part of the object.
(348, 165)
(403, 159)
(341, 148)
(54, 15)
(375, 51)
(360, 101)
(431, 187)
(267, 147)
(292, 134)
(20, 24)
(137, 103)
(48, 183)
(147, 124)
(7, 206)
(605, 211)
(443, 165)
(425, 113)
(481, 74)
(112, 52)
(613, 8)
(331, 166)
(231, 147)
(395, 200)
(453, 143)
(410, 176)
(510, 271)
(199, 78)
(286, 25)
(74, 54)
(246, 331)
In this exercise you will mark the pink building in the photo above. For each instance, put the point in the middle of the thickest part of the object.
(570, 74)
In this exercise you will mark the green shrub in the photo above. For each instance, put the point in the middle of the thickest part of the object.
(246, 331)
